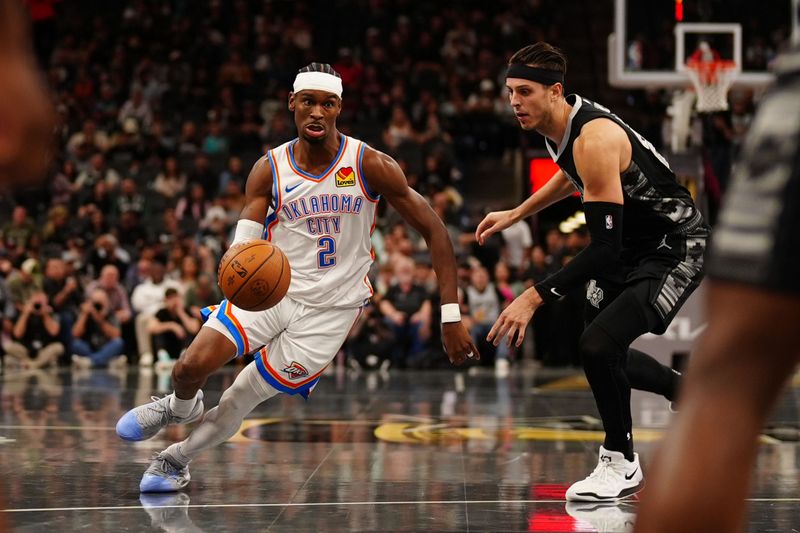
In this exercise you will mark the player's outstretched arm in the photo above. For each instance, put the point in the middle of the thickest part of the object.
(258, 197)
(558, 188)
(258, 192)
(599, 153)
(385, 177)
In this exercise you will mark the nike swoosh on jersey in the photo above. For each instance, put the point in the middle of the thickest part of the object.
(290, 189)
(554, 292)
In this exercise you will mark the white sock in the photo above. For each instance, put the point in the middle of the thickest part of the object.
(176, 455)
(181, 408)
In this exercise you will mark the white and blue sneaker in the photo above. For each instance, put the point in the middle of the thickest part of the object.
(613, 479)
(602, 516)
(164, 476)
(143, 422)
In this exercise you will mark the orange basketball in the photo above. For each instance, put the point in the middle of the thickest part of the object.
(254, 275)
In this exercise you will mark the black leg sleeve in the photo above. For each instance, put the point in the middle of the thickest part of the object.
(647, 374)
(604, 353)
(603, 363)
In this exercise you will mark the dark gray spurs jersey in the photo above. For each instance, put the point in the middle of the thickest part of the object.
(757, 240)
(655, 204)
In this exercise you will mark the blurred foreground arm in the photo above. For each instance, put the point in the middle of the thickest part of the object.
(26, 112)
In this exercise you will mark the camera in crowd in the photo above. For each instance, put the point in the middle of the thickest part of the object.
(38, 303)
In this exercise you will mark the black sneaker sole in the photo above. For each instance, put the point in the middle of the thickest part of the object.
(626, 493)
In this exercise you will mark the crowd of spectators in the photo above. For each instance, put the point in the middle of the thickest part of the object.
(164, 106)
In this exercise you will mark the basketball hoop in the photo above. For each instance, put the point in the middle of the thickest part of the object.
(711, 80)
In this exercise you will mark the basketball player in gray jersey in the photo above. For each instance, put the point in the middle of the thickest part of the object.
(749, 350)
(644, 260)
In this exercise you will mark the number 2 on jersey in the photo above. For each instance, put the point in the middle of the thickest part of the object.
(326, 256)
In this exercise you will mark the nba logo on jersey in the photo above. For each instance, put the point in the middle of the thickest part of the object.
(609, 222)
(345, 177)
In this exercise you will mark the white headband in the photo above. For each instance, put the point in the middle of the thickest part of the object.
(319, 81)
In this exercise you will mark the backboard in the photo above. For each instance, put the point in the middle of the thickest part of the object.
(652, 39)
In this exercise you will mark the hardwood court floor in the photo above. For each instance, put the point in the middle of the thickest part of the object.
(405, 451)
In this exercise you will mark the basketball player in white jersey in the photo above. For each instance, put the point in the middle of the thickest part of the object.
(318, 195)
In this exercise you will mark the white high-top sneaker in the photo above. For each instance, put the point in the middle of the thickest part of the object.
(614, 478)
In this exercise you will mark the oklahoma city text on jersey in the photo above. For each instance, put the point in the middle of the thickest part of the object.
(322, 204)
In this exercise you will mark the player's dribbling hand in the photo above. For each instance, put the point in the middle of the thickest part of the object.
(458, 343)
(515, 318)
(492, 223)
(232, 250)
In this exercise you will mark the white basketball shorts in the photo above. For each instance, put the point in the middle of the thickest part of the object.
(295, 343)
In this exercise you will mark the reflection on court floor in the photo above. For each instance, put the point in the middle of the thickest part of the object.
(406, 451)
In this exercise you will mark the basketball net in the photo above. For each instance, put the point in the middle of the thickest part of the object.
(711, 80)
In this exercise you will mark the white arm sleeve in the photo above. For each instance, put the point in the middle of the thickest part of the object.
(247, 230)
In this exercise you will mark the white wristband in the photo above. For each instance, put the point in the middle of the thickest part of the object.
(247, 230)
(450, 313)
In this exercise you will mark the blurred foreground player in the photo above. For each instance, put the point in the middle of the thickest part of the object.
(701, 475)
(644, 260)
(318, 194)
(26, 114)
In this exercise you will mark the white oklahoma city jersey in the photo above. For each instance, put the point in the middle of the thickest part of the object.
(323, 224)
